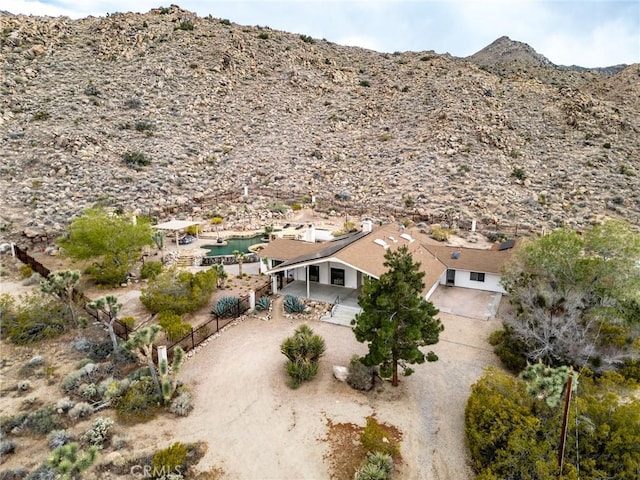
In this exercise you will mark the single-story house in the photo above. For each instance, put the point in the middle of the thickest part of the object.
(345, 262)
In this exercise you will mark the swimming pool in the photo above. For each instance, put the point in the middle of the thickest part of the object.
(241, 244)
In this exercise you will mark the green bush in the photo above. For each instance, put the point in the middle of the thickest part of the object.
(170, 460)
(519, 173)
(509, 349)
(151, 269)
(375, 438)
(43, 420)
(136, 159)
(111, 271)
(303, 351)
(263, 35)
(307, 39)
(513, 434)
(365, 83)
(25, 271)
(179, 292)
(173, 325)
(186, 25)
(140, 402)
(34, 318)
(440, 234)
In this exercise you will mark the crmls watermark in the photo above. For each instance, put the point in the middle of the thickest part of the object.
(148, 471)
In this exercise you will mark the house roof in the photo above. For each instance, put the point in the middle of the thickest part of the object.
(472, 259)
(365, 251)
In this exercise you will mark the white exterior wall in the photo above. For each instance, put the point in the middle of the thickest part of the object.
(350, 274)
(463, 279)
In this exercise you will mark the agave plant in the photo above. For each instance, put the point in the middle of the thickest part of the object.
(227, 307)
(293, 304)
(263, 303)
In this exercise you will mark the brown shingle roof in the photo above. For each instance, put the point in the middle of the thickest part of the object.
(366, 255)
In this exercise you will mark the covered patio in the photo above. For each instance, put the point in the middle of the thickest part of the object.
(321, 292)
(176, 226)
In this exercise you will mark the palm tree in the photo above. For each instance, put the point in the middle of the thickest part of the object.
(239, 258)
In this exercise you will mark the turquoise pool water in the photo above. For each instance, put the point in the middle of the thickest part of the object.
(241, 244)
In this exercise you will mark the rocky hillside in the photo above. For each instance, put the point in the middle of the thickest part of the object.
(166, 112)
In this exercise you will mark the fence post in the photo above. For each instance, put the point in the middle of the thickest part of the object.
(13, 250)
(193, 343)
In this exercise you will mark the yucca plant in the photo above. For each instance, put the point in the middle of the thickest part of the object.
(303, 351)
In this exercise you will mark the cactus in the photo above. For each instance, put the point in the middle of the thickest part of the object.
(263, 304)
(227, 307)
(293, 304)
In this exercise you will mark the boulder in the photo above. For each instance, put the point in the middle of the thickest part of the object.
(340, 373)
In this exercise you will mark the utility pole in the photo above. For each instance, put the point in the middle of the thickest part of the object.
(565, 419)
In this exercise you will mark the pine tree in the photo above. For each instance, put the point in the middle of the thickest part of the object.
(395, 319)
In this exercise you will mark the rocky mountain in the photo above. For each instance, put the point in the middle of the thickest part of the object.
(167, 113)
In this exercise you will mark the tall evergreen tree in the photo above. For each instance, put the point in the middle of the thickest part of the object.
(395, 320)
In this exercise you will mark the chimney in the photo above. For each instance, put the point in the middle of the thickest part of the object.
(310, 235)
(367, 225)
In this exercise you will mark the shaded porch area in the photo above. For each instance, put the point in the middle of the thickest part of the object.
(321, 292)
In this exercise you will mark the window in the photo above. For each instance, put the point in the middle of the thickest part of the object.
(314, 273)
(477, 277)
(337, 276)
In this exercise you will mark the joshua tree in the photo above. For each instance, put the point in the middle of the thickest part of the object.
(239, 258)
(61, 285)
(110, 307)
(168, 378)
(69, 461)
(141, 344)
(268, 230)
(221, 274)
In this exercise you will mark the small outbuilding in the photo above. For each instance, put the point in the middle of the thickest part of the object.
(176, 226)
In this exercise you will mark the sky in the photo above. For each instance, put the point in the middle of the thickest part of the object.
(589, 33)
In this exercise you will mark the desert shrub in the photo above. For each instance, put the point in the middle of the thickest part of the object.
(293, 304)
(88, 373)
(58, 438)
(34, 318)
(99, 431)
(179, 292)
(43, 420)
(88, 390)
(182, 404)
(43, 472)
(630, 370)
(65, 404)
(25, 271)
(173, 325)
(24, 385)
(143, 126)
(7, 447)
(151, 269)
(227, 307)
(359, 375)
(303, 351)
(99, 352)
(365, 83)
(440, 234)
(510, 350)
(172, 459)
(263, 303)
(376, 438)
(518, 173)
(140, 402)
(307, 39)
(263, 35)
(186, 25)
(377, 466)
(129, 322)
(135, 159)
(295, 206)
(80, 410)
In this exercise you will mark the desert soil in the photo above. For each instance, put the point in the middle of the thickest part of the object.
(258, 428)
